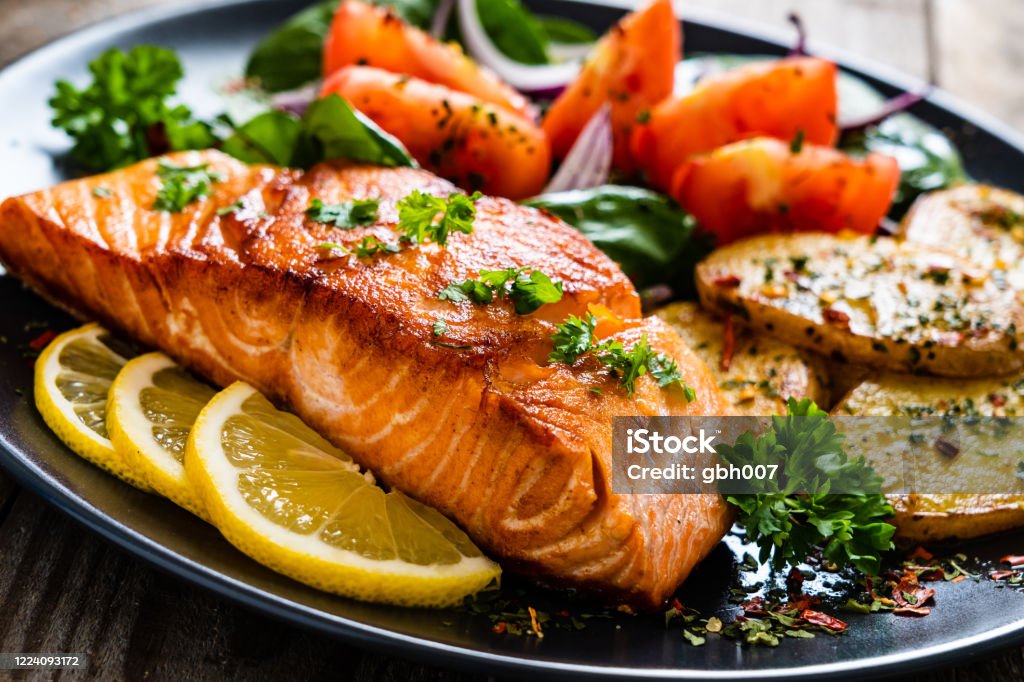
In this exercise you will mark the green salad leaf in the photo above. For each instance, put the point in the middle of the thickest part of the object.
(330, 129)
(566, 31)
(292, 55)
(653, 240)
(126, 114)
(514, 30)
(790, 514)
(928, 159)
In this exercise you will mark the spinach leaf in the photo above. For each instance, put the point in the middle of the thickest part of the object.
(292, 55)
(653, 240)
(927, 158)
(566, 31)
(330, 129)
(514, 30)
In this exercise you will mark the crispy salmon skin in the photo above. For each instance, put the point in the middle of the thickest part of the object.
(474, 421)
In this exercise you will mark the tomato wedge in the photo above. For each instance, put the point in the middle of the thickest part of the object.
(632, 67)
(473, 143)
(781, 98)
(366, 35)
(763, 185)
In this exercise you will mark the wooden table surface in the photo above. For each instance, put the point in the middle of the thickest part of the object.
(64, 590)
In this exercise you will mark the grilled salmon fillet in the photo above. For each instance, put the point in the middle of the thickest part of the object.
(475, 422)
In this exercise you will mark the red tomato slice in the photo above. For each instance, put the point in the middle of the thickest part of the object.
(762, 185)
(475, 144)
(366, 35)
(632, 67)
(776, 99)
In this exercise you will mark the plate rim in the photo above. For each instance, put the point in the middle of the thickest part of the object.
(49, 488)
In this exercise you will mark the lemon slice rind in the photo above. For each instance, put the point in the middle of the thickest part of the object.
(59, 413)
(305, 557)
(131, 433)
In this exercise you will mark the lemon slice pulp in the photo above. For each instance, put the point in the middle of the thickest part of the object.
(72, 380)
(295, 503)
(153, 404)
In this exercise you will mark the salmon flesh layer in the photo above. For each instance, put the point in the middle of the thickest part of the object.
(475, 422)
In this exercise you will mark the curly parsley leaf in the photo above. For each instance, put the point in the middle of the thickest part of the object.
(124, 115)
(183, 185)
(370, 246)
(418, 216)
(789, 515)
(573, 339)
(527, 289)
(346, 215)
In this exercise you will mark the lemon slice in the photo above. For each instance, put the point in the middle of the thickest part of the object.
(153, 404)
(72, 379)
(293, 502)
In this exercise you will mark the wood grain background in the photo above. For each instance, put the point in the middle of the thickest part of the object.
(64, 590)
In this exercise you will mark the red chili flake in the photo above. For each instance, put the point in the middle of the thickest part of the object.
(794, 581)
(802, 603)
(499, 628)
(1014, 560)
(1001, 575)
(835, 316)
(946, 449)
(997, 399)
(562, 614)
(909, 593)
(676, 604)
(918, 611)
(959, 579)
(728, 344)
(823, 619)
(928, 573)
(754, 607)
(727, 281)
(949, 338)
(41, 341)
(920, 553)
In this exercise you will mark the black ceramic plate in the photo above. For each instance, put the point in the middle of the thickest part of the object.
(213, 40)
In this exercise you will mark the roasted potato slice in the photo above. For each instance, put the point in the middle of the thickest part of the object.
(761, 373)
(866, 300)
(982, 463)
(983, 224)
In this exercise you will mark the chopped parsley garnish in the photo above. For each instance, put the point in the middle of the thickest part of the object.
(527, 289)
(370, 246)
(333, 246)
(418, 216)
(789, 515)
(101, 192)
(796, 145)
(124, 114)
(346, 215)
(575, 338)
(183, 185)
(440, 327)
(237, 206)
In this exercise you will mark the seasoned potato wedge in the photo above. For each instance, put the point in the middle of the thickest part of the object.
(872, 301)
(761, 373)
(985, 462)
(983, 224)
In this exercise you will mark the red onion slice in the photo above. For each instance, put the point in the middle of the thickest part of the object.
(589, 161)
(525, 77)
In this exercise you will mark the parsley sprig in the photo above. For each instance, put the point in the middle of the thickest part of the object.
(183, 185)
(427, 218)
(792, 513)
(575, 338)
(527, 288)
(125, 114)
(346, 215)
